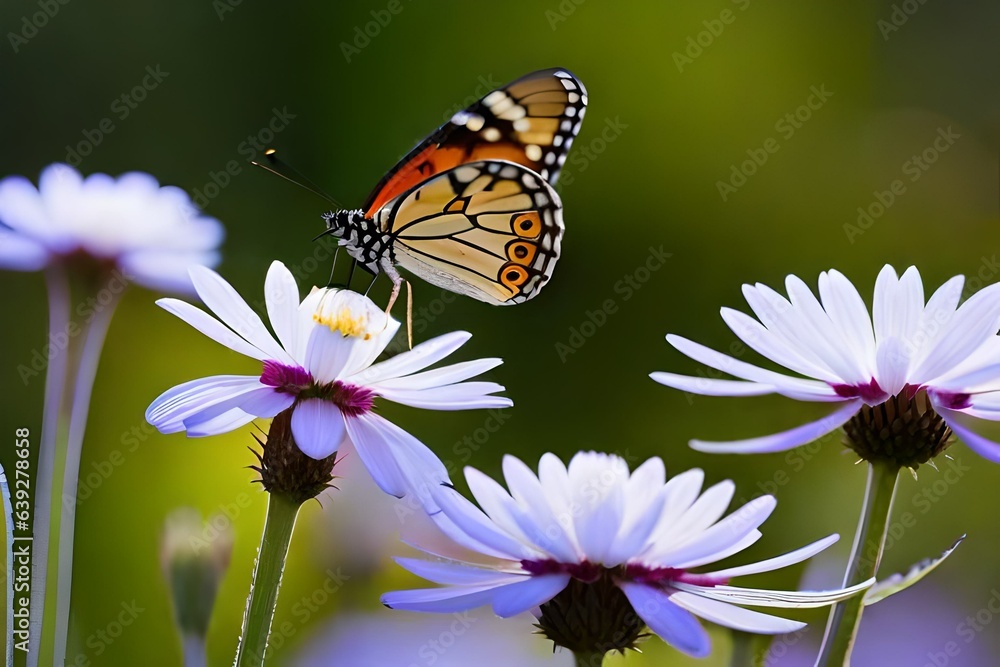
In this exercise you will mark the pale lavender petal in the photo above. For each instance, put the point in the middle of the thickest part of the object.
(440, 600)
(462, 396)
(780, 442)
(735, 617)
(21, 253)
(985, 447)
(514, 599)
(674, 625)
(712, 386)
(777, 562)
(318, 427)
(414, 360)
(169, 410)
(439, 377)
(457, 574)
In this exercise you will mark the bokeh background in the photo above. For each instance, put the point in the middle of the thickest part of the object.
(679, 99)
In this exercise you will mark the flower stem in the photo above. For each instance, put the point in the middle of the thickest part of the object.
(281, 513)
(82, 372)
(845, 618)
(589, 659)
(76, 350)
(57, 286)
(748, 649)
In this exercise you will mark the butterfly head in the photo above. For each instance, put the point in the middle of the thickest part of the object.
(340, 223)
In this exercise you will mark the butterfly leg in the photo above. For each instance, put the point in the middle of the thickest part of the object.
(397, 281)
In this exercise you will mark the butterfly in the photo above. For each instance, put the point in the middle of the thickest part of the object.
(471, 209)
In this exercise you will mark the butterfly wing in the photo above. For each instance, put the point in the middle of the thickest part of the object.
(490, 230)
(531, 121)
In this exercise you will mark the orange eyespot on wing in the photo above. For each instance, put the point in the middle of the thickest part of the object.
(491, 230)
(531, 121)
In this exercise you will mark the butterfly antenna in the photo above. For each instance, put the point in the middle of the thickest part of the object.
(336, 254)
(350, 276)
(281, 169)
(409, 313)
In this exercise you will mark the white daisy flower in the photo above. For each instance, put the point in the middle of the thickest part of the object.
(322, 367)
(904, 382)
(603, 552)
(152, 233)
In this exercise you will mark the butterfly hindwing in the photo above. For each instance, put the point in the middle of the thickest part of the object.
(531, 121)
(489, 229)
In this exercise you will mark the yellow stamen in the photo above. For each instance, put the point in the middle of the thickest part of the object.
(345, 323)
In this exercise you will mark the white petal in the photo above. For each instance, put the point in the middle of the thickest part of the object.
(975, 322)
(318, 427)
(458, 574)
(734, 617)
(471, 520)
(554, 532)
(848, 312)
(635, 533)
(773, 347)
(777, 562)
(171, 408)
(417, 359)
(759, 597)
(21, 253)
(211, 327)
(674, 625)
(938, 312)
(327, 354)
(720, 536)
(823, 334)
(498, 505)
(892, 360)
(234, 312)
(281, 295)
(440, 600)
(420, 469)
(439, 377)
(705, 511)
(514, 599)
(780, 442)
(377, 455)
(882, 303)
(461, 396)
(712, 386)
(787, 385)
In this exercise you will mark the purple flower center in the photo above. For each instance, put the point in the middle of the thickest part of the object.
(588, 572)
(297, 381)
(286, 379)
(870, 393)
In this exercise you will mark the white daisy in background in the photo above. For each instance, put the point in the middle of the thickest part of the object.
(591, 544)
(904, 382)
(152, 233)
(322, 368)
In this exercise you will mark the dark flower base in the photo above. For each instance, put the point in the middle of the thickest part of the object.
(903, 431)
(285, 470)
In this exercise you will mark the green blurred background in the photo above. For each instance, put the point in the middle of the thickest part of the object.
(668, 120)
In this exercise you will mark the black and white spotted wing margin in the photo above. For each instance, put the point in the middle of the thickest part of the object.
(490, 230)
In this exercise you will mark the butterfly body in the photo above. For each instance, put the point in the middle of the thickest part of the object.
(472, 209)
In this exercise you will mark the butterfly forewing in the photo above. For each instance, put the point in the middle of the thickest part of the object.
(531, 121)
(488, 229)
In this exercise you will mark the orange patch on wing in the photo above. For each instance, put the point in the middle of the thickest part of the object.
(527, 225)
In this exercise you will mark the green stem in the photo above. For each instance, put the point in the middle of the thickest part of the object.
(748, 649)
(281, 513)
(589, 659)
(845, 618)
